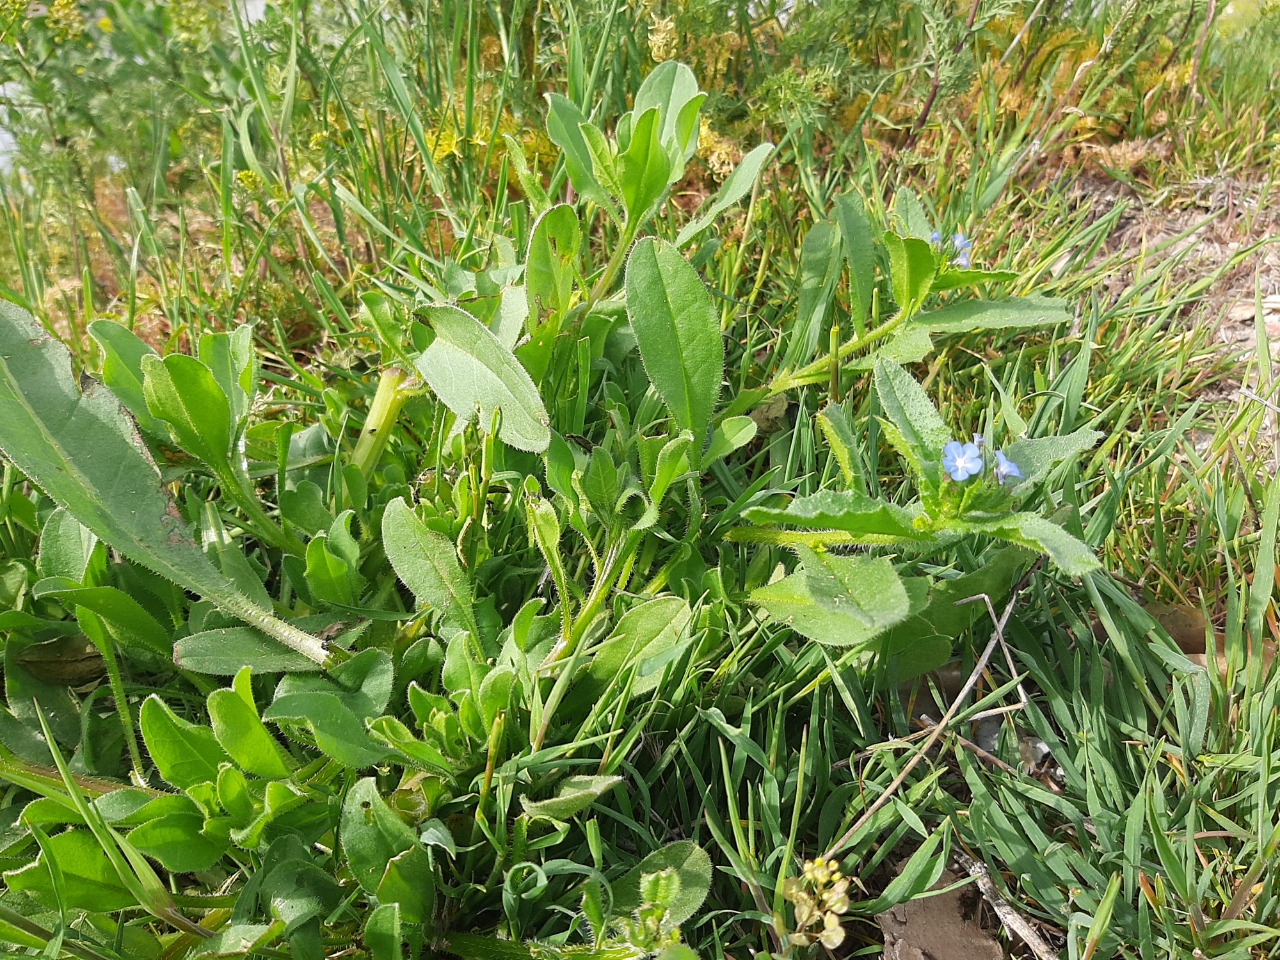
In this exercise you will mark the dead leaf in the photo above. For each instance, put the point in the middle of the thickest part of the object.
(937, 928)
(1188, 628)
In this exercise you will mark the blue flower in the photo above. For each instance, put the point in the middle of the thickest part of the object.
(1006, 468)
(936, 237)
(962, 246)
(961, 460)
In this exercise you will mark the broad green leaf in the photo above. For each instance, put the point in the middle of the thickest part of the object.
(238, 728)
(84, 452)
(549, 267)
(336, 730)
(66, 547)
(427, 563)
(1031, 530)
(909, 216)
(1036, 456)
(409, 882)
(911, 268)
(969, 315)
(371, 834)
(230, 358)
(470, 370)
(185, 754)
(564, 120)
(909, 409)
(182, 391)
(678, 333)
(123, 352)
(871, 520)
(838, 601)
(732, 434)
(644, 169)
(176, 842)
(398, 737)
(382, 933)
(573, 795)
(298, 890)
(224, 651)
(692, 866)
(670, 88)
(644, 636)
(120, 610)
(89, 879)
(923, 641)
(736, 186)
(859, 251)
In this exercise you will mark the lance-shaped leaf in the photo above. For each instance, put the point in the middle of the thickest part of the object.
(425, 561)
(737, 186)
(183, 392)
(870, 520)
(969, 315)
(470, 370)
(678, 333)
(82, 449)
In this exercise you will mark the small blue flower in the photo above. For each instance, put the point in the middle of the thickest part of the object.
(962, 246)
(961, 460)
(936, 237)
(979, 440)
(1006, 468)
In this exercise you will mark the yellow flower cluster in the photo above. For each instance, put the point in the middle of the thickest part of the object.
(663, 40)
(64, 20)
(720, 154)
(820, 897)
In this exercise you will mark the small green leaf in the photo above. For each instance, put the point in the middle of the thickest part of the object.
(176, 841)
(912, 414)
(230, 358)
(671, 88)
(240, 730)
(564, 121)
(859, 251)
(1036, 456)
(185, 754)
(427, 563)
(123, 353)
(573, 795)
(182, 391)
(911, 268)
(678, 333)
(736, 186)
(950, 279)
(549, 267)
(382, 933)
(1031, 530)
(644, 636)
(644, 169)
(470, 370)
(371, 834)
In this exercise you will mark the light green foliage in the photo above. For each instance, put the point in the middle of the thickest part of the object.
(457, 540)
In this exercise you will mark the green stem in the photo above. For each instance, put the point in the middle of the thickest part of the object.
(821, 368)
(616, 561)
(388, 401)
(240, 489)
(615, 263)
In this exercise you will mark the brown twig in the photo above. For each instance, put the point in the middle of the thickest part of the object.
(936, 733)
(1009, 918)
